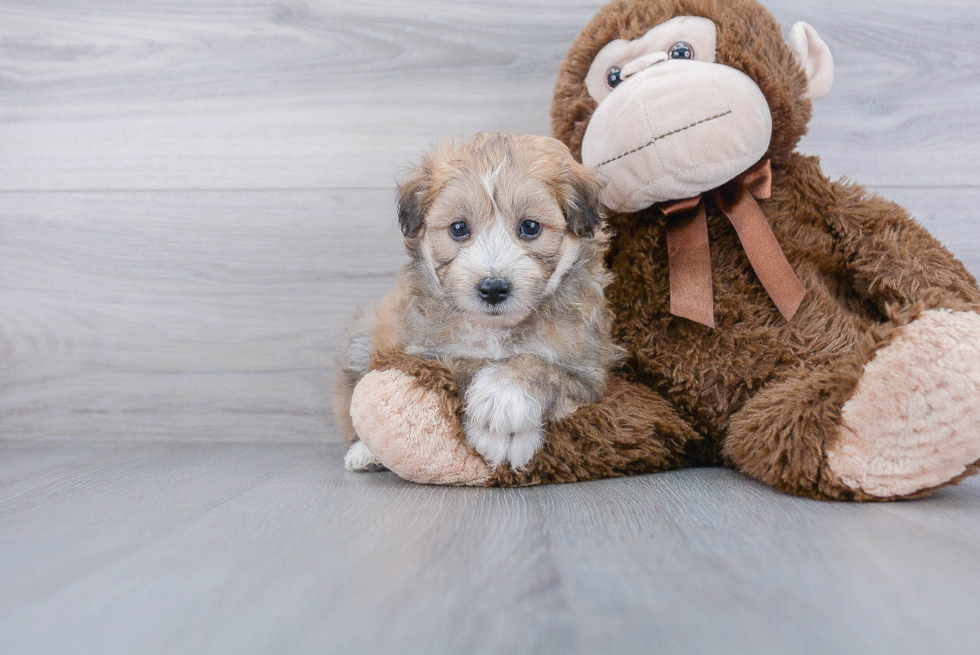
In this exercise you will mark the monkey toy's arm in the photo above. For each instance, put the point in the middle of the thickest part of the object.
(409, 412)
(890, 258)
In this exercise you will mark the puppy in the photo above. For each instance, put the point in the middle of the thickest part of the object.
(504, 287)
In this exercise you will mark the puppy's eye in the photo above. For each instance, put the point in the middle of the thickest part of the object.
(530, 229)
(681, 51)
(614, 77)
(459, 230)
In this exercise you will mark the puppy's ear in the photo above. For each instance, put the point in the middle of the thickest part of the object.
(412, 205)
(582, 203)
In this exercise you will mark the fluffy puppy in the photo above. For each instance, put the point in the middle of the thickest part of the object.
(504, 287)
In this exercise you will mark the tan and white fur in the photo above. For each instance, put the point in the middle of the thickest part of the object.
(504, 287)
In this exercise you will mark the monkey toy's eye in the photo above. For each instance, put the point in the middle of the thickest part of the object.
(614, 77)
(530, 229)
(459, 231)
(681, 51)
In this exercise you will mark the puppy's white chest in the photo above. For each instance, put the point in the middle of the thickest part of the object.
(481, 342)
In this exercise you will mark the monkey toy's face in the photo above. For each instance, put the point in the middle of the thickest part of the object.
(671, 123)
(678, 110)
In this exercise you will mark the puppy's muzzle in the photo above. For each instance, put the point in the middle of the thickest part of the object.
(493, 290)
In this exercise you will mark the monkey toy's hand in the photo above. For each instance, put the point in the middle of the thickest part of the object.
(503, 420)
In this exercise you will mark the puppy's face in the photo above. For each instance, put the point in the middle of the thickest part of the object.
(497, 222)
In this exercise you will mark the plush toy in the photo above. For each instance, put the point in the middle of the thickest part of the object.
(803, 331)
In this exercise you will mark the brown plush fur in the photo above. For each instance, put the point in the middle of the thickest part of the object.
(757, 392)
(855, 253)
(609, 438)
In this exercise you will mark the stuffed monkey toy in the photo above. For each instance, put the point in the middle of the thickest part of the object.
(798, 329)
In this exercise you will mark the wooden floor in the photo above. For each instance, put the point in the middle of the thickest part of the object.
(274, 548)
(194, 195)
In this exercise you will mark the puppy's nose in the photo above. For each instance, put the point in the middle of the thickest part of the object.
(493, 290)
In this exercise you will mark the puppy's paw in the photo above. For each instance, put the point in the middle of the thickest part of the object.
(494, 447)
(503, 420)
(523, 447)
(497, 448)
(499, 402)
(360, 458)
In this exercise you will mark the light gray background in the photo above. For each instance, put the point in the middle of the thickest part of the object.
(193, 197)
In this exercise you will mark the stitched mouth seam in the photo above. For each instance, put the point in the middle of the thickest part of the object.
(664, 136)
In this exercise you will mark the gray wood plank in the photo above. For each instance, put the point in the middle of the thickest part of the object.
(249, 548)
(214, 315)
(183, 315)
(707, 561)
(116, 94)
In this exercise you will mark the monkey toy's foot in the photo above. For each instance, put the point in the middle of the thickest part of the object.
(409, 430)
(913, 423)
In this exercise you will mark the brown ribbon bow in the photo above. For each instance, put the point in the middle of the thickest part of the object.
(690, 255)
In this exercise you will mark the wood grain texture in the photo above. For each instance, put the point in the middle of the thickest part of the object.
(123, 94)
(214, 315)
(182, 315)
(248, 548)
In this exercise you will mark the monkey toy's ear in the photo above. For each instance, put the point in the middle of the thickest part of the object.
(411, 201)
(582, 203)
(814, 55)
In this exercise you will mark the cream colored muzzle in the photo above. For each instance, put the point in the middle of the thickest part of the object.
(673, 129)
